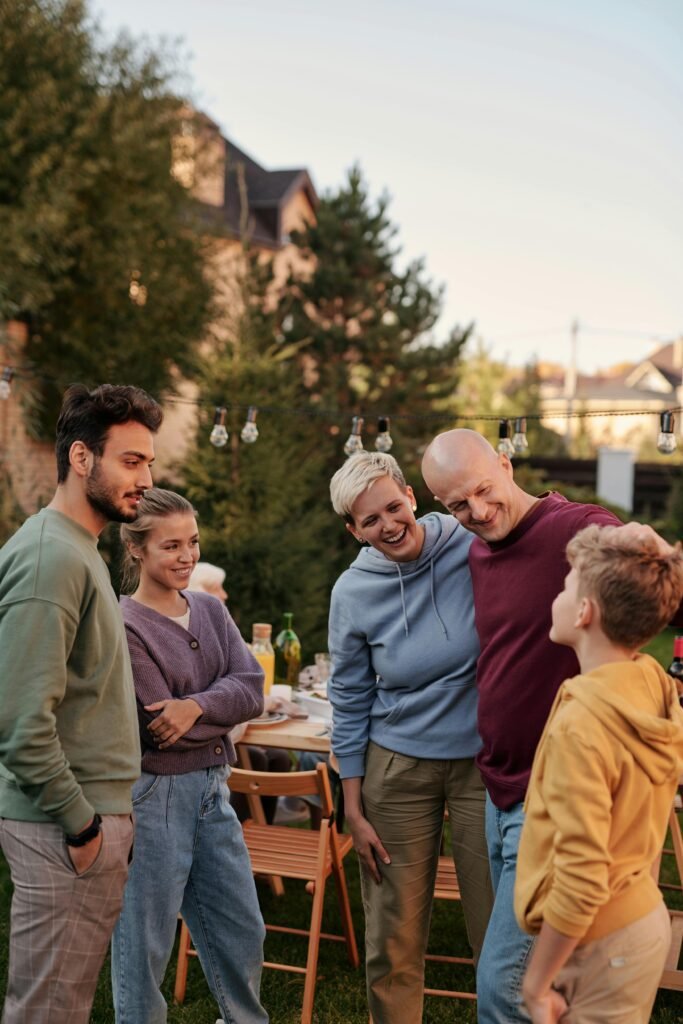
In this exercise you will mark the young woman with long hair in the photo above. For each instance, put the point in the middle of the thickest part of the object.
(195, 679)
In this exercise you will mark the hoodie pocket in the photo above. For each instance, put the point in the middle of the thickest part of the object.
(395, 712)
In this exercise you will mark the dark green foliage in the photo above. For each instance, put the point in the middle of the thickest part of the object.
(672, 525)
(96, 247)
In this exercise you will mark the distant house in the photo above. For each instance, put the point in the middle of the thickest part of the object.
(654, 384)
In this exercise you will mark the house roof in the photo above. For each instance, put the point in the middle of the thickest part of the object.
(266, 194)
(652, 379)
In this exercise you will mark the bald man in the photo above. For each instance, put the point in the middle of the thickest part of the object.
(518, 567)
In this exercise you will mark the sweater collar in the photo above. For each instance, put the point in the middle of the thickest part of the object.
(136, 610)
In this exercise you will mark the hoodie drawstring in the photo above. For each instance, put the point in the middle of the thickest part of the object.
(432, 591)
(403, 598)
(431, 584)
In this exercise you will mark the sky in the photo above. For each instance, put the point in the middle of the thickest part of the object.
(532, 149)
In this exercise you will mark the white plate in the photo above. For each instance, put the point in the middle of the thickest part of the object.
(272, 718)
(315, 705)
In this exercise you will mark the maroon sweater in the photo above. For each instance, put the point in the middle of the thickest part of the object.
(515, 582)
(208, 662)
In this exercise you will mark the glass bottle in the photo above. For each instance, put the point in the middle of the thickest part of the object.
(675, 669)
(287, 653)
(262, 649)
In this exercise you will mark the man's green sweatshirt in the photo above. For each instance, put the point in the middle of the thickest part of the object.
(69, 742)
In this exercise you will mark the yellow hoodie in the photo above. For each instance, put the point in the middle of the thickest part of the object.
(599, 798)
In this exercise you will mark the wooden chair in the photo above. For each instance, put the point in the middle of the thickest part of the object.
(447, 888)
(283, 852)
(672, 978)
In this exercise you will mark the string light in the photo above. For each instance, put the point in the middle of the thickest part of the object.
(219, 435)
(666, 441)
(250, 430)
(354, 442)
(384, 441)
(6, 383)
(504, 442)
(519, 438)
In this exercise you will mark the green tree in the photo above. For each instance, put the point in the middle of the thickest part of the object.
(97, 243)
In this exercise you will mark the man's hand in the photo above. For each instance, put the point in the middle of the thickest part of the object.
(83, 857)
(641, 533)
(176, 718)
(368, 845)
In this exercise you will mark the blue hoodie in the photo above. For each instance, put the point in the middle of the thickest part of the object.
(404, 652)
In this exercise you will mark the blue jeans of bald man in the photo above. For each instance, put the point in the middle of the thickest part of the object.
(189, 856)
(506, 948)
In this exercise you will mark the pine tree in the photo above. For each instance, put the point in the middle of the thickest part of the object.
(364, 325)
(96, 240)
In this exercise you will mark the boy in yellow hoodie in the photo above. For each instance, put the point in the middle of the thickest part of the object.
(601, 789)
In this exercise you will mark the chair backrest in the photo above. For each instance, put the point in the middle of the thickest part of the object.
(315, 783)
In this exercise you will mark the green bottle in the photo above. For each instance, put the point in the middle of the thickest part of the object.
(287, 653)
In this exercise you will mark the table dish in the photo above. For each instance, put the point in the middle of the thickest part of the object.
(270, 718)
(315, 705)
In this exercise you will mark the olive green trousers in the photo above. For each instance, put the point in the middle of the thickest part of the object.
(404, 800)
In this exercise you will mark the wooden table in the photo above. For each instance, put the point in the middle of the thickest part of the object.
(294, 734)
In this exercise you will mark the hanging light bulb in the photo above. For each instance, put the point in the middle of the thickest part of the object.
(666, 442)
(6, 383)
(354, 442)
(250, 430)
(384, 440)
(504, 442)
(519, 440)
(219, 435)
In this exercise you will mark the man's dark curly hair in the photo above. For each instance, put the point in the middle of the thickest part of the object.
(87, 416)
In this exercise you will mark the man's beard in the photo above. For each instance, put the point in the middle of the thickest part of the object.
(101, 498)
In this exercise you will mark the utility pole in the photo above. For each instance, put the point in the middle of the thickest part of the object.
(570, 380)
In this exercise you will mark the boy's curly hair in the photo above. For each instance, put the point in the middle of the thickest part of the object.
(636, 587)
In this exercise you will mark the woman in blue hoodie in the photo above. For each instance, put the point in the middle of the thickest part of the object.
(404, 650)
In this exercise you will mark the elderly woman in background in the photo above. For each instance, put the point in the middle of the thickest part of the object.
(404, 650)
(209, 579)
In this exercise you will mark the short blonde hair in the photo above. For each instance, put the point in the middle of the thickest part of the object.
(636, 587)
(357, 475)
(205, 574)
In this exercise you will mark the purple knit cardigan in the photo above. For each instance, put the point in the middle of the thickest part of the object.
(209, 662)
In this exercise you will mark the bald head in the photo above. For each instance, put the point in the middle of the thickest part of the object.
(450, 453)
(475, 483)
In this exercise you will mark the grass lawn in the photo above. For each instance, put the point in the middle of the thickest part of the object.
(340, 995)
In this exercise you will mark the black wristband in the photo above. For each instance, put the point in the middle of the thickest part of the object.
(87, 835)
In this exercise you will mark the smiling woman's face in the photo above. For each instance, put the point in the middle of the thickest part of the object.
(383, 516)
(170, 552)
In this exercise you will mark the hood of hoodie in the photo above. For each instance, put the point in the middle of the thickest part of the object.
(438, 529)
(654, 738)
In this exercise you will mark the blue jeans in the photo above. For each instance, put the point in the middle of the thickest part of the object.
(506, 948)
(189, 856)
